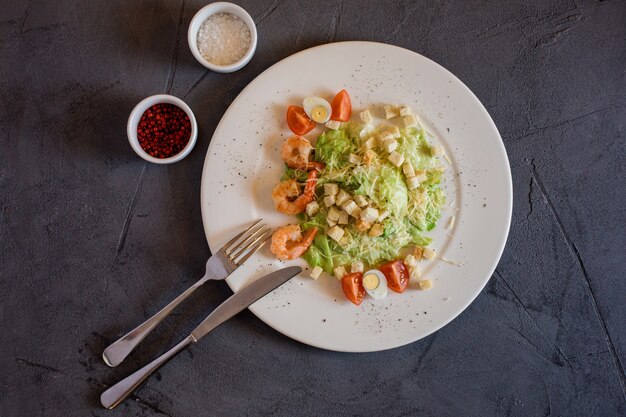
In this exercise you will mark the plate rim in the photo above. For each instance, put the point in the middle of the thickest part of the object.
(509, 197)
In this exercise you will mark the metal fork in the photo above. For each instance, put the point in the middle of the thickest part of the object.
(219, 266)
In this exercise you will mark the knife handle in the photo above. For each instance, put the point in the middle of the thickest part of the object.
(120, 349)
(118, 392)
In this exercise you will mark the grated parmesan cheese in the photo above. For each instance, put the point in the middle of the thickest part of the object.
(451, 262)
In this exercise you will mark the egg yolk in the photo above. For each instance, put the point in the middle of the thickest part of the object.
(318, 113)
(370, 281)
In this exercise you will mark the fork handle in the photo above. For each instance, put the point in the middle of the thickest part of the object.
(118, 392)
(121, 348)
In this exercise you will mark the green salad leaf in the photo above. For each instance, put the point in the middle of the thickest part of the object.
(319, 253)
(391, 191)
(333, 148)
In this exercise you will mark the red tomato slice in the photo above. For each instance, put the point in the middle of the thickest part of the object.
(397, 275)
(341, 107)
(298, 121)
(352, 285)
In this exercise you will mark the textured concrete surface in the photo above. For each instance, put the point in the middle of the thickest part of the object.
(93, 240)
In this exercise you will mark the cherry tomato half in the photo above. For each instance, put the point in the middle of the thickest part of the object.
(397, 275)
(298, 121)
(352, 285)
(341, 107)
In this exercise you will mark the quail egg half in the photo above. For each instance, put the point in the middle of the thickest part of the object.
(317, 109)
(375, 284)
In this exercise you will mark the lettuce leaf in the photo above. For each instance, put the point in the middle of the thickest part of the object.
(333, 148)
(391, 190)
(319, 253)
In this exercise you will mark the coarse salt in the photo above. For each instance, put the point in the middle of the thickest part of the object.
(223, 38)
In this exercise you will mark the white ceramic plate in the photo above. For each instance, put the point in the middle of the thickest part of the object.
(243, 165)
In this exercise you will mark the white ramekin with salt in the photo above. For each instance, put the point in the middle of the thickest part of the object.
(222, 37)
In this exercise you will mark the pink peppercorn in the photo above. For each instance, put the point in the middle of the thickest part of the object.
(163, 130)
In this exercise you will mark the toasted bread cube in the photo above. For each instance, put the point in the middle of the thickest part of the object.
(360, 200)
(382, 137)
(350, 207)
(335, 233)
(390, 145)
(382, 215)
(395, 158)
(354, 159)
(429, 254)
(368, 157)
(414, 273)
(316, 272)
(371, 142)
(357, 267)
(418, 252)
(421, 174)
(333, 214)
(339, 272)
(329, 200)
(344, 218)
(312, 208)
(331, 189)
(393, 130)
(409, 121)
(342, 197)
(436, 150)
(376, 230)
(405, 111)
(369, 214)
(344, 241)
(362, 226)
(367, 129)
(408, 170)
(425, 284)
(333, 124)
(391, 112)
(413, 182)
(366, 117)
(330, 222)
(410, 261)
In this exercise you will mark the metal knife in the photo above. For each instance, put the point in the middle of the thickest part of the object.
(219, 266)
(235, 303)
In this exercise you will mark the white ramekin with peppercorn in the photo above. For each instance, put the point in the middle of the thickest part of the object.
(162, 129)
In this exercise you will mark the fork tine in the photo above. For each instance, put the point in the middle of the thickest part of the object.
(250, 246)
(253, 251)
(260, 229)
(236, 238)
(244, 246)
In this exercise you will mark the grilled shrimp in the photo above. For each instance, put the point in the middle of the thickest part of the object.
(289, 243)
(287, 197)
(296, 152)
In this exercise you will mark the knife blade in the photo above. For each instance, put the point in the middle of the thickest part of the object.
(233, 305)
(244, 298)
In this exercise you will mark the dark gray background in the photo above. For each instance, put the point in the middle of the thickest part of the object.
(93, 240)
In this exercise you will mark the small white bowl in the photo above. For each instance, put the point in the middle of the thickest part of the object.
(138, 111)
(202, 15)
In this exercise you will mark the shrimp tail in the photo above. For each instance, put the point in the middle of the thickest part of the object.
(311, 183)
(319, 166)
(308, 236)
